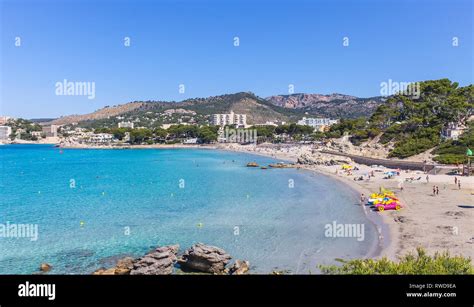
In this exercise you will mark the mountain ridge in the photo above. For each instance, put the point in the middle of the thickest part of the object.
(259, 110)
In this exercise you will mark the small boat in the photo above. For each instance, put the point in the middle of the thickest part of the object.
(252, 164)
(263, 167)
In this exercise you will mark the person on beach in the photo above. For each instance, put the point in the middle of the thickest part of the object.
(362, 199)
(455, 180)
(437, 190)
(434, 190)
(427, 179)
(459, 184)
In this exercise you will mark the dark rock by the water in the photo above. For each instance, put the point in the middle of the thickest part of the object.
(205, 258)
(161, 261)
(158, 262)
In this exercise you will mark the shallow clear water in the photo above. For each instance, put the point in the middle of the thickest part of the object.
(254, 214)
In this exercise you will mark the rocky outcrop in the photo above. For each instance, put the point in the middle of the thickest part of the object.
(239, 267)
(123, 267)
(321, 159)
(159, 262)
(205, 258)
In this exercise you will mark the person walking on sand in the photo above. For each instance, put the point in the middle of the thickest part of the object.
(434, 190)
(459, 184)
(427, 179)
(455, 180)
(437, 190)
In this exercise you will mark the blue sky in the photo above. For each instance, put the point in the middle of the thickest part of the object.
(192, 43)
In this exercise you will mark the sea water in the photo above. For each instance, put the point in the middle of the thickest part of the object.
(92, 207)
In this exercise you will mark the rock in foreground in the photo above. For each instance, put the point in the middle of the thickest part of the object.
(159, 262)
(205, 258)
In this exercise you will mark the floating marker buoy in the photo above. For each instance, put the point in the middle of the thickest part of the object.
(82, 224)
(200, 225)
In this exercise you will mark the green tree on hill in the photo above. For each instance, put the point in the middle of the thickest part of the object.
(414, 124)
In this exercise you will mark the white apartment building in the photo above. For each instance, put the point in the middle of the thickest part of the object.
(240, 120)
(5, 132)
(316, 122)
(101, 138)
(125, 125)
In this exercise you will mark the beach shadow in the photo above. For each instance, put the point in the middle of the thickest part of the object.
(466, 207)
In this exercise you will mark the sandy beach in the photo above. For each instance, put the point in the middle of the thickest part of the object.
(437, 223)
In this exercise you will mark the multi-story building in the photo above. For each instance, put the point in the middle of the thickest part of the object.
(320, 124)
(240, 120)
(125, 125)
(50, 130)
(5, 132)
(101, 138)
(314, 122)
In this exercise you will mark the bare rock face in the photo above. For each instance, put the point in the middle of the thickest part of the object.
(159, 262)
(239, 267)
(205, 258)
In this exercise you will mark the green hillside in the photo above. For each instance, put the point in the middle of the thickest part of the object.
(414, 124)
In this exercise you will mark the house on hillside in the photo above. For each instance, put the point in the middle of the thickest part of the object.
(125, 125)
(452, 131)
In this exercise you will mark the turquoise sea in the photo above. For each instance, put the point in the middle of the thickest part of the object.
(95, 206)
